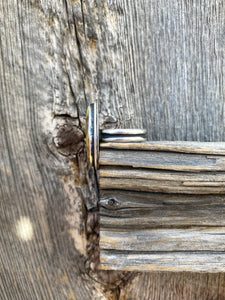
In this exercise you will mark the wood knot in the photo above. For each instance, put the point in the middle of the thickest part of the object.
(112, 202)
(68, 136)
(109, 202)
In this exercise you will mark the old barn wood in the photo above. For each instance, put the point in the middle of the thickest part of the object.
(153, 64)
(162, 206)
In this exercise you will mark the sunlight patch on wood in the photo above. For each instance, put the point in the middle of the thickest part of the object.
(24, 229)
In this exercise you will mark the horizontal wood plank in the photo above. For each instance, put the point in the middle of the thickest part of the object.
(162, 160)
(170, 146)
(167, 186)
(141, 179)
(142, 173)
(161, 261)
(170, 239)
(126, 209)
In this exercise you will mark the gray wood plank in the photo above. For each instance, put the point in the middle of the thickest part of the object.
(177, 146)
(162, 160)
(172, 261)
(166, 239)
(140, 173)
(167, 186)
(136, 210)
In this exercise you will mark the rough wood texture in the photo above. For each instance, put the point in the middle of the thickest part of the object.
(178, 239)
(49, 232)
(166, 69)
(145, 168)
(135, 224)
(175, 146)
(136, 210)
(155, 203)
(164, 261)
(167, 285)
(163, 160)
(161, 181)
(153, 64)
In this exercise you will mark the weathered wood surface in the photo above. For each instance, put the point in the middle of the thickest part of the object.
(143, 231)
(171, 146)
(162, 160)
(136, 210)
(175, 239)
(167, 285)
(151, 167)
(159, 181)
(49, 233)
(155, 203)
(164, 261)
(157, 65)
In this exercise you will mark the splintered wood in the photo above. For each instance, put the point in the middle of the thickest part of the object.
(162, 206)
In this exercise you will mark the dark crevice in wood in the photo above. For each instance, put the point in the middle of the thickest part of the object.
(82, 12)
(80, 57)
(63, 115)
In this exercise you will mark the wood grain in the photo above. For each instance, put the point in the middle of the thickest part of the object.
(179, 187)
(42, 162)
(161, 160)
(166, 69)
(152, 167)
(175, 239)
(176, 285)
(164, 261)
(136, 210)
(166, 146)
(156, 65)
(156, 203)
(172, 85)
(194, 179)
